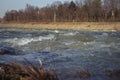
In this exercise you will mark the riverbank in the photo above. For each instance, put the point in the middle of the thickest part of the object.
(68, 25)
(18, 71)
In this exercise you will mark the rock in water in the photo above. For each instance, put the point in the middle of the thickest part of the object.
(7, 50)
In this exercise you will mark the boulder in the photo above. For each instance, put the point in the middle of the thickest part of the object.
(7, 50)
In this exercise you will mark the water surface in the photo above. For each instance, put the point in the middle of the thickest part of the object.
(67, 51)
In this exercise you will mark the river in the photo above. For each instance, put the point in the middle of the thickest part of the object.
(67, 51)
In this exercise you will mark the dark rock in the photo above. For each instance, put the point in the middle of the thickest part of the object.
(7, 50)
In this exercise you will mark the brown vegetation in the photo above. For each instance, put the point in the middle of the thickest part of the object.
(16, 71)
(68, 25)
(112, 73)
(82, 74)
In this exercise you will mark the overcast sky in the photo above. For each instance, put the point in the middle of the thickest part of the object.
(20, 4)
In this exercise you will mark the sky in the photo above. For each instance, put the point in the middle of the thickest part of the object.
(6, 5)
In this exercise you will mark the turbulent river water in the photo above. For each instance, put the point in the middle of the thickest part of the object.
(67, 51)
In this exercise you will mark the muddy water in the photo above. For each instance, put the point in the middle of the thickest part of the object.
(67, 51)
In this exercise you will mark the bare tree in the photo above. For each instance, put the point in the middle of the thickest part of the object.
(81, 10)
(72, 10)
(55, 6)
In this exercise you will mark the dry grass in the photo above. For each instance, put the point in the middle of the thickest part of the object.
(69, 25)
(17, 71)
(112, 73)
(29, 72)
(82, 74)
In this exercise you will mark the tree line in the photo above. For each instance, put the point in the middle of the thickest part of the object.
(77, 11)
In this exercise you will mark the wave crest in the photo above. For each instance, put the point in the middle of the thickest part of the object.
(24, 41)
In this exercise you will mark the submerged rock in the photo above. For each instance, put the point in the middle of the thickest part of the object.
(7, 50)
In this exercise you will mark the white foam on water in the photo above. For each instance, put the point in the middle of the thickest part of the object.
(105, 45)
(68, 43)
(24, 41)
(19, 41)
(56, 31)
(70, 34)
(48, 37)
(94, 45)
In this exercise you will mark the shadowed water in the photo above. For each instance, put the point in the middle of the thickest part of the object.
(67, 51)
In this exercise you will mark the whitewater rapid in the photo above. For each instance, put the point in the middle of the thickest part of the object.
(67, 51)
(24, 41)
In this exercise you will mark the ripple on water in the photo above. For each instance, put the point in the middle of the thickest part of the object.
(26, 40)
(67, 51)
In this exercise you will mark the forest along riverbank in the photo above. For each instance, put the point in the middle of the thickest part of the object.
(106, 26)
(73, 54)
